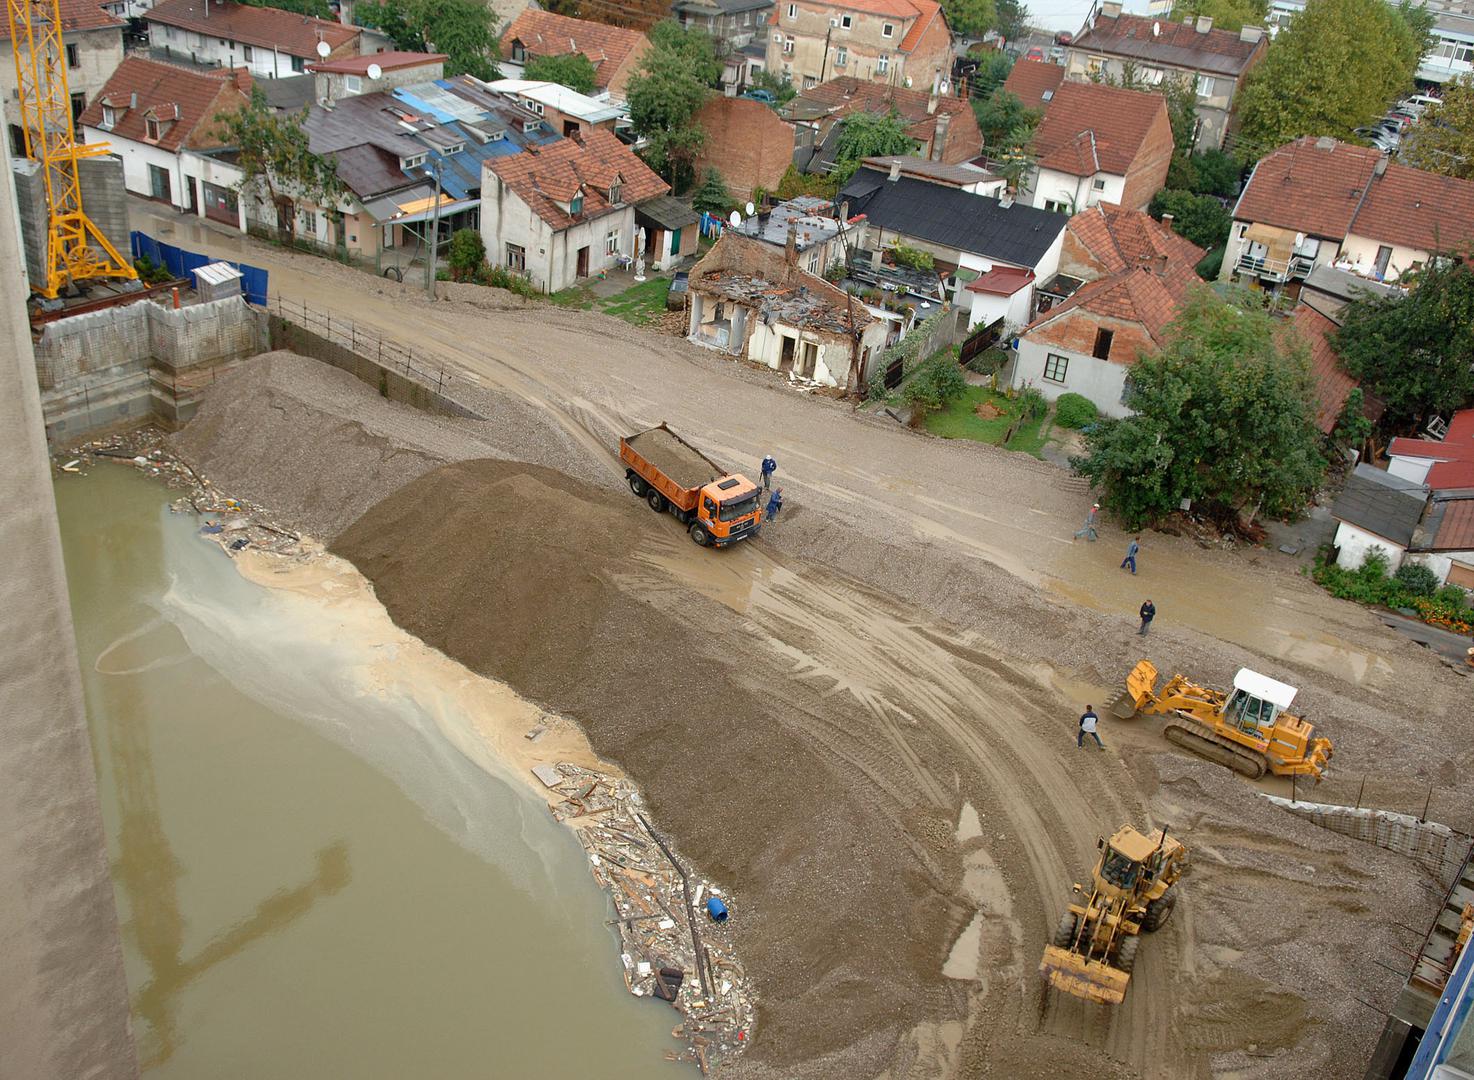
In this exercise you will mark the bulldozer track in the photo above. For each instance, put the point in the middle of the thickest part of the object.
(1203, 741)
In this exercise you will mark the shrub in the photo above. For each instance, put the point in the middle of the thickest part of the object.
(467, 253)
(1416, 579)
(912, 258)
(937, 382)
(1032, 404)
(987, 362)
(1074, 410)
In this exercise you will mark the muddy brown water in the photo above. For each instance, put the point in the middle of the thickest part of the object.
(311, 880)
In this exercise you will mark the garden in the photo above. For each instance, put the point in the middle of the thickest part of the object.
(1413, 590)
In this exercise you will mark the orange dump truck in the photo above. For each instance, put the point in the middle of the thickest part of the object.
(718, 507)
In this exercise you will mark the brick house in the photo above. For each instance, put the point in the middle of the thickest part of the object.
(161, 120)
(746, 142)
(614, 51)
(1034, 82)
(1316, 203)
(902, 43)
(92, 35)
(564, 211)
(1137, 273)
(1100, 144)
(268, 42)
(944, 127)
(1155, 49)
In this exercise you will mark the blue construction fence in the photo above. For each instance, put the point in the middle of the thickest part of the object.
(182, 263)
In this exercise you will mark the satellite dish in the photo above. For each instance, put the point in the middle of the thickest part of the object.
(735, 219)
(323, 48)
(1156, 29)
(750, 210)
(375, 72)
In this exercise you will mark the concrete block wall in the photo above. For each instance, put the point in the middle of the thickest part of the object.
(205, 334)
(82, 345)
(1436, 846)
(30, 197)
(105, 199)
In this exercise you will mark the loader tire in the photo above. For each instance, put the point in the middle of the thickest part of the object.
(1126, 954)
(638, 486)
(1159, 911)
(656, 501)
(1064, 934)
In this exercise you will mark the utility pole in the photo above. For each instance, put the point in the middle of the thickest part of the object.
(435, 234)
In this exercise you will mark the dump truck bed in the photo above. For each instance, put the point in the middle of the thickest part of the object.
(678, 460)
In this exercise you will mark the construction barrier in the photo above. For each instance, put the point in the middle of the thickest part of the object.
(182, 263)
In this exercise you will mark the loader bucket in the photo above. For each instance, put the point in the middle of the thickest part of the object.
(1140, 685)
(1088, 979)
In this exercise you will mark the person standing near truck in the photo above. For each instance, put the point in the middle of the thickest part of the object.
(768, 468)
(775, 503)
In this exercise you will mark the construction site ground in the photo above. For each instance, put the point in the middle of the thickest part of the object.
(864, 722)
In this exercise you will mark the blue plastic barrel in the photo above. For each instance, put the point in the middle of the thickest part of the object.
(716, 909)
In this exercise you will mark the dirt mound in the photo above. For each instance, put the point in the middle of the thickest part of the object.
(536, 579)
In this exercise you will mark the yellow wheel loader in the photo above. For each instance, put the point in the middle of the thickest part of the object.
(1094, 948)
(1249, 730)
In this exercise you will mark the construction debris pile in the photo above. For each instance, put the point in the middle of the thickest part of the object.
(670, 921)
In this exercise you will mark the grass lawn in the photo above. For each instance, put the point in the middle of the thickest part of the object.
(639, 304)
(959, 420)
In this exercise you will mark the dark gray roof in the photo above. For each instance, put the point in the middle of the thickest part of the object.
(667, 211)
(292, 94)
(1382, 504)
(953, 218)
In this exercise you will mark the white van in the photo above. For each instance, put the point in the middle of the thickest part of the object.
(1418, 104)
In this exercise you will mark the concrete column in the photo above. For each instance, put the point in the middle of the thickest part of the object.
(63, 998)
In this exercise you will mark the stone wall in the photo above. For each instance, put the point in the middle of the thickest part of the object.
(1441, 849)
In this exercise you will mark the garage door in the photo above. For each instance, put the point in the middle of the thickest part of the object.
(1459, 574)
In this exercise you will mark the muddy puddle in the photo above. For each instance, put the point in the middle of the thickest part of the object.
(314, 877)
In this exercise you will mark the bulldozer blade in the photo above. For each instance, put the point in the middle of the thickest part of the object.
(1082, 978)
(1140, 685)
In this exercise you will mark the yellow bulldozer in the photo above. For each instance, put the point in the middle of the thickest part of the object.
(1094, 948)
(1249, 730)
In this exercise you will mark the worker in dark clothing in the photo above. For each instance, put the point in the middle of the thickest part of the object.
(768, 468)
(1088, 722)
(1148, 613)
(775, 503)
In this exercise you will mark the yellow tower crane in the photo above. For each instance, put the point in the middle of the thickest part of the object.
(76, 249)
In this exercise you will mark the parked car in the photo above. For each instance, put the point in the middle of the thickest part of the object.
(1419, 103)
(767, 97)
(1064, 37)
(1394, 123)
(1381, 138)
(1036, 53)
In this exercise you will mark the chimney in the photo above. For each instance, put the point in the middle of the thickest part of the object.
(1251, 34)
(1006, 199)
(1325, 142)
(243, 80)
(895, 169)
(1161, 262)
(1205, 23)
(939, 139)
(1111, 9)
(1380, 168)
(1167, 221)
(790, 249)
(931, 103)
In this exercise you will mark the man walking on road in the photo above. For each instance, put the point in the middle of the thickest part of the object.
(1148, 613)
(1088, 529)
(1130, 559)
(768, 468)
(1088, 721)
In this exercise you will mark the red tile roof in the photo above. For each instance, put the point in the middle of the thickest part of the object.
(75, 15)
(1001, 281)
(848, 94)
(1088, 128)
(1031, 79)
(1332, 382)
(1136, 295)
(1120, 239)
(180, 98)
(286, 31)
(387, 61)
(1453, 455)
(1456, 530)
(1314, 186)
(1417, 209)
(1162, 41)
(926, 14)
(542, 33)
(543, 177)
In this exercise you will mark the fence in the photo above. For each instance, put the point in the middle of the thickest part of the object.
(397, 372)
(180, 263)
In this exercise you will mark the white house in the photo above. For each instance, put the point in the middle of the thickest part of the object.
(1406, 522)
(1100, 144)
(565, 211)
(1000, 296)
(269, 42)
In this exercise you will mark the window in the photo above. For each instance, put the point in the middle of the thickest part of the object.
(611, 242)
(614, 193)
(882, 64)
(788, 46)
(109, 117)
(1095, 65)
(453, 148)
(1055, 367)
(79, 103)
(1102, 350)
(841, 56)
(247, 54)
(810, 82)
(887, 29)
(519, 54)
(1205, 86)
(846, 21)
(813, 266)
(793, 11)
(73, 56)
(1098, 183)
(576, 206)
(1150, 76)
(413, 162)
(309, 222)
(151, 129)
(516, 257)
(353, 84)
(298, 64)
(1055, 207)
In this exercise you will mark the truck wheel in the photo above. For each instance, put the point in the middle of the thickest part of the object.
(656, 501)
(1065, 932)
(699, 534)
(1126, 954)
(638, 486)
(1159, 911)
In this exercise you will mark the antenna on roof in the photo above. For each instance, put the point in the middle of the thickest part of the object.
(375, 72)
(323, 48)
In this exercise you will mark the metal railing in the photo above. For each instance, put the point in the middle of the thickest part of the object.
(366, 343)
(1276, 269)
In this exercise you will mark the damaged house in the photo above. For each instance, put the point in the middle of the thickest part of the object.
(751, 299)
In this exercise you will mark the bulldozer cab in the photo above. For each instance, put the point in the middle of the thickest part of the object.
(1129, 859)
(1256, 703)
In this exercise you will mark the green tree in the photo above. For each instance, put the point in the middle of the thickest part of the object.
(1223, 415)
(277, 163)
(713, 197)
(1415, 352)
(673, 81)
(573, 70)
(1216, 173)
(863, 135)
(970, 18)
(993, 68)
(318, 9)
(462, 29)
(1226, 14)
(467, 253)
(1333, 69)
(794, 183)
(1352, 426)
(778, 85)
(1444, 143)
(1199, 218)
(1003, 120)
(1011, 19)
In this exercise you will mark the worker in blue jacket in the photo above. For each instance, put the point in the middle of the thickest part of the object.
(769, 467)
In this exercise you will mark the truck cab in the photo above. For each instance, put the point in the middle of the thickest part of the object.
(729, 509)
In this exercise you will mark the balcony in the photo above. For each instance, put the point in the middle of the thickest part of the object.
(1297, 266)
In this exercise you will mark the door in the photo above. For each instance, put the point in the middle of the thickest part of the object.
(1384, 256)
(583, 263)
(675, 242)
(191, 197)
(785, 359)
(811, 359)
(158, 182)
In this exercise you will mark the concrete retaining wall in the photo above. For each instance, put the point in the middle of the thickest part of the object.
(1439, 848)
(104, 199)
